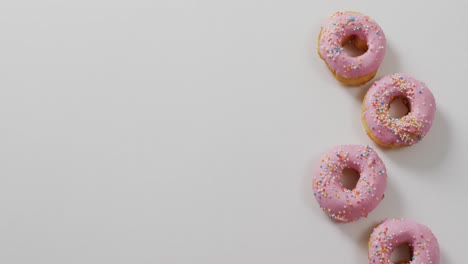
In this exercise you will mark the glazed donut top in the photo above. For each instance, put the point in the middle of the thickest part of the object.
(337, 30)
(406, 130)
(394, 232)
(343, 204)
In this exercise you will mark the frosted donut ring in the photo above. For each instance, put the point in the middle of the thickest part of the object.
(348, 205)
(388, 131)
(366, 35)
(394, 232)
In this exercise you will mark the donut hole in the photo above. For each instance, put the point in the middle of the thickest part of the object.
(399, 107)
(402, 254)
(354, 46)
(349, 178)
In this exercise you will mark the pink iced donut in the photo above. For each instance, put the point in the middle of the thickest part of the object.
(388, 131)
(394, 232)
(343, 204)
(366, 35)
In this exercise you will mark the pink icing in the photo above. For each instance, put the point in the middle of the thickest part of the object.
(343, 204)
(409, 129)
(338, 28)
(394, 232)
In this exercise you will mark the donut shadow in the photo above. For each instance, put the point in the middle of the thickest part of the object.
(360, 230)
(390, 64)
(428, 154)
(358, 94)
(358, 233)
(443, 257)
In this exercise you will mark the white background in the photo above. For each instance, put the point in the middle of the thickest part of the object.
(183, 131)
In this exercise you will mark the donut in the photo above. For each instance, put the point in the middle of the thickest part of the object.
(339, 203)
(393, 232)
(365, 34)
(393, 132)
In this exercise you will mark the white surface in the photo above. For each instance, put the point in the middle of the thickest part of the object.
(186, 131)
